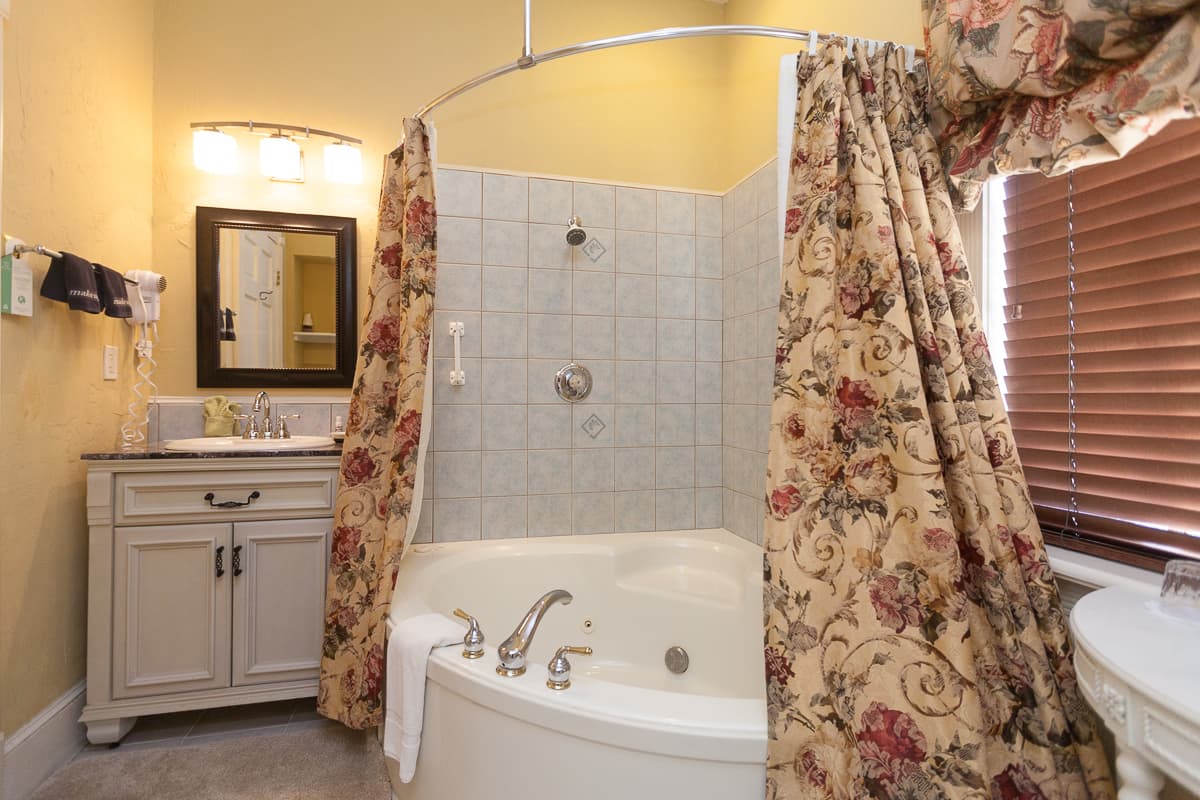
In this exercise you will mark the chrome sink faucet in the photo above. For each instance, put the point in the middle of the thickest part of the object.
(269, 428)
(262, 402)
(513, 649)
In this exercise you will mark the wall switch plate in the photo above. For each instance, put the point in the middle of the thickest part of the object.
(110, 362)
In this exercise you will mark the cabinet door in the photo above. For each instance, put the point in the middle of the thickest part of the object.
(171, 610)
(279, 599)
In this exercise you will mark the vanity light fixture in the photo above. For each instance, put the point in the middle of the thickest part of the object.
(280, 156)
(343, 163)
(280, 159)
(213, 151)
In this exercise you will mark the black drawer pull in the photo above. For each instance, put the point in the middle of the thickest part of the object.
(237, 560)
(220, 561)
(210, 497)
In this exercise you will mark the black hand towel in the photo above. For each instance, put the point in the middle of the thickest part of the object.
(113, 294)
(70, 280)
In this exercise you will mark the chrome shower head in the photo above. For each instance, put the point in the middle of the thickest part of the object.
(576, 235)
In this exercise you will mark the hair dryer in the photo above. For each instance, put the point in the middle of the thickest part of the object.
(146, 306)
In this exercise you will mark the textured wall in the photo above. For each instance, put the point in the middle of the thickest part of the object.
(645, 114)
(751, 74)
(698, 114)
(87, 149)
(76, 177)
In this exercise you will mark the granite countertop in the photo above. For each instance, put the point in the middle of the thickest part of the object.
(157, 453)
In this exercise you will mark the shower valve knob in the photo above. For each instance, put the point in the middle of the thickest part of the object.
(573, 382)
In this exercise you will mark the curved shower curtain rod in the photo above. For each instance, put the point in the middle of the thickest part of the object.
(530, 59)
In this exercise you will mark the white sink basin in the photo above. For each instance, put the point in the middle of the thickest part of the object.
(236, 444)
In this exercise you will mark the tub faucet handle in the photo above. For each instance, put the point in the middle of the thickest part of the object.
(559, 670)
(473, 641)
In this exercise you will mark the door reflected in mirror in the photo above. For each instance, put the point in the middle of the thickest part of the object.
(282, 290)
(274, 298)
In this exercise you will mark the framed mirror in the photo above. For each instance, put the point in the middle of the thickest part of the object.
(275, 299)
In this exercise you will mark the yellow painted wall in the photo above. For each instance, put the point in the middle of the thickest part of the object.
(316, 276)
(696, 113)
(649, 114)
(309, 286)
(77, 175)
(317, 284)
(93, 154)
(752, 64)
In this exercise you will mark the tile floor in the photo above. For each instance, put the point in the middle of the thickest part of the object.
(194, 727)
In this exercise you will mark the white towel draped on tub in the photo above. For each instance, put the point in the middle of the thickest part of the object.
(407, 658)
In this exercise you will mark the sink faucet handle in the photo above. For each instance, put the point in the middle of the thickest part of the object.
(558, 671)
(251, 431)
(473, 641)
(281, 430)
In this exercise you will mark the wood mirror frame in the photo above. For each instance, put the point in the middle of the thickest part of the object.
(209, 372)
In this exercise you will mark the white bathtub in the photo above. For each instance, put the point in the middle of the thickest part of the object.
(627, 728)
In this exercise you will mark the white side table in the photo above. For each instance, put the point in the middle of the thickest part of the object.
(1139, 666)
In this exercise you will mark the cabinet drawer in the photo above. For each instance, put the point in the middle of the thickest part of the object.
(181, 496)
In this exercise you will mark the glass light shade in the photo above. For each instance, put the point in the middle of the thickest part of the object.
(343, 163)
(279, 159)
(213, 151)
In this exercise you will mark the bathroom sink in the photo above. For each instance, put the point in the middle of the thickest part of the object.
(236, 444)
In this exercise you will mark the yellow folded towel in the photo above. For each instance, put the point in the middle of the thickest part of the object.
(218, 416)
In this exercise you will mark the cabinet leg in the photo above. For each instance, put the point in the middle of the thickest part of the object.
(1137, 777)
(109, 731)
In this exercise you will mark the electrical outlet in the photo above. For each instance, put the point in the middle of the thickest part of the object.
(110, 362)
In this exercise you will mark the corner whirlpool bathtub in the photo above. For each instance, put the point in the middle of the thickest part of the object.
(627, 727)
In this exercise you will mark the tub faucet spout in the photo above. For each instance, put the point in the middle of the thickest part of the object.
(513, 649)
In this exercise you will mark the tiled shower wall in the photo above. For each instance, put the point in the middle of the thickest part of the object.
(639, 304)
(672, 308)
(751, 292)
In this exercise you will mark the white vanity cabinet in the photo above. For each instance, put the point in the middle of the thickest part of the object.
(206, 583)
(279, 600)
(171, 614)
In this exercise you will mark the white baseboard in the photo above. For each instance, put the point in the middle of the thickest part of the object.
(42, 745)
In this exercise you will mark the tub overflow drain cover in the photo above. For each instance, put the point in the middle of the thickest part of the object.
(677, 660)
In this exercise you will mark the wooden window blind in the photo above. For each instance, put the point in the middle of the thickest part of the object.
(1103, 349)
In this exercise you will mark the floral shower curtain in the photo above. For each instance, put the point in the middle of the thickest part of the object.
(1030, 85)
(380, 455)
(915, 646)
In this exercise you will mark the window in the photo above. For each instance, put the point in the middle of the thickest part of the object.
(1109, 348)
